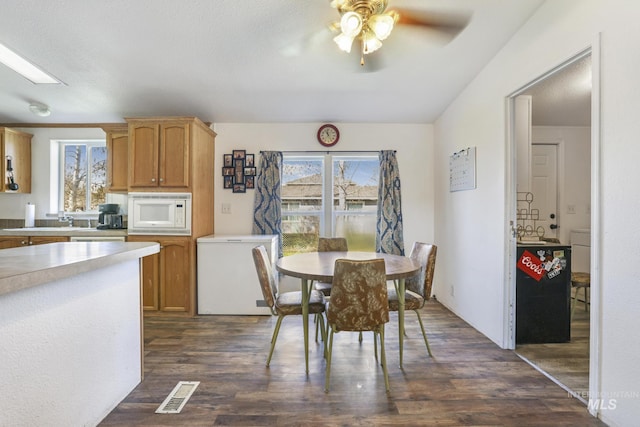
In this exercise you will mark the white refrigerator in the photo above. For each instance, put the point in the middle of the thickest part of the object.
(227, 278)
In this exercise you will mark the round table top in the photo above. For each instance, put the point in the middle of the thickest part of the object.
(319, 265)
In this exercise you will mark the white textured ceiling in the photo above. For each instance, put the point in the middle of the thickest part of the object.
(238, 60)
(564, 97)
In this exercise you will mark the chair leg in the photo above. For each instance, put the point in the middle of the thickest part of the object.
(424, 334)
(328, 370)
(384, 358)
(274, 337)
(375, 344)
(360, 337)
(315, 320)
(573, 303)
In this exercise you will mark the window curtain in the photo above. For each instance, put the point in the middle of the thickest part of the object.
(267, 210)
(389, 221)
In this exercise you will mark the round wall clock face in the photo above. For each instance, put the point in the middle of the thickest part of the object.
(328, 135)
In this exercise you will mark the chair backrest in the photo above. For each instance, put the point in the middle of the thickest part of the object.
(422, 283)
(332, 244)
(265, 276)
(359, 295)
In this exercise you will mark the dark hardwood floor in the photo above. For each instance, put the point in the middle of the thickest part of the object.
(470, 381)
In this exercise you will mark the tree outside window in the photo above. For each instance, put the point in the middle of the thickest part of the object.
(83, 176)
(329, 196)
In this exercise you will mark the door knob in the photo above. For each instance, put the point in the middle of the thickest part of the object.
(553, 226)
(552, 216)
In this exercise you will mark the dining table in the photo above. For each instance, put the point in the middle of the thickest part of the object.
(318, 266)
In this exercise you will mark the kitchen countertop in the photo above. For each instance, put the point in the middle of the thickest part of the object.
(61, 231)
(28, 266)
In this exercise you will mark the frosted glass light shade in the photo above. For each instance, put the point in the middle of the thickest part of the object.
(381, 25)
(351, 24)
(344, 42)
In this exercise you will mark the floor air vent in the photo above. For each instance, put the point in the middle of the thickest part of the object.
(178, 397)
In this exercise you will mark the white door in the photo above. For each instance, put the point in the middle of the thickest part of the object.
(544, 186)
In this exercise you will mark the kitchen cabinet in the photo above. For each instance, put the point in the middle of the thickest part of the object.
(117, 159)
(168, 278)
(16, 146)
(17, 241)
(161, 151)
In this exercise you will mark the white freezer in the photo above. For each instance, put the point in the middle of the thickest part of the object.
(227, 278)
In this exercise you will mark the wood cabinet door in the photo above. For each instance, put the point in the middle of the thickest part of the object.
(7, 242)
(174, 154)
(41, 240)
(151, 282)
(117, 161)
(17, 145)
(175, 275)
(143, 154)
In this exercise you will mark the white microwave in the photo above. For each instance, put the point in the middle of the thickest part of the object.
(159, 213)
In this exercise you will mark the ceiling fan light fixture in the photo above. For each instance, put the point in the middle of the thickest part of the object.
(344, 42)
(351, 24)
(381, 25)
(370, 43)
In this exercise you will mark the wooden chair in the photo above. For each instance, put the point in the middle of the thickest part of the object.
(358, 303)
(418, 288)
(579, 281)
(282, 304)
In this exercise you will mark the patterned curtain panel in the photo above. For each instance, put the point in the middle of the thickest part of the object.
(389, 225)
(267, 211)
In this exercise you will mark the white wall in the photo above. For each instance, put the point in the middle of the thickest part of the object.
(42, 175)
(71, 349)
(574, 174)
(471, 226)
(413, 142)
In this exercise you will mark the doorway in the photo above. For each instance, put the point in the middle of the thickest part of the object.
(549, 165)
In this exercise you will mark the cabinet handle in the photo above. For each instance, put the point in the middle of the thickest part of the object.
(30, 242)
(161, 179)
(23, 242)
(153, 180)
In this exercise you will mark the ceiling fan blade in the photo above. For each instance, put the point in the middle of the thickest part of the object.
(449, 23)
(308, 41)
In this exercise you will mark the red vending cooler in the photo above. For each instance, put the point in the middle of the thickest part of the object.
(543, 294)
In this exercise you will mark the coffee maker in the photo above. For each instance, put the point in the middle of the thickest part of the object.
(108, 217)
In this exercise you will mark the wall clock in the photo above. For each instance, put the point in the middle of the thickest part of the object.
(328, 135)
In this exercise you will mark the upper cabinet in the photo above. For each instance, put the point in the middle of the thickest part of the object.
(160, 152)
(15, 146)
(174, 154)
(117, 159)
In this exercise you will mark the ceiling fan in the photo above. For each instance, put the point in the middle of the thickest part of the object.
(369, 22)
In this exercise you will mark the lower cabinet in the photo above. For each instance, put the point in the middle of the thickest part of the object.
(17, 241)
(168, 277)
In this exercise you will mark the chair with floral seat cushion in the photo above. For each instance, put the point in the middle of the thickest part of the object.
(418, 287)
(329, 244)
(282, 304)
(359, 302)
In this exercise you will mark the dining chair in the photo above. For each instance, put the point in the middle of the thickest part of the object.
(358, 303)
(418, 287)
(328, 244)
(285, 303)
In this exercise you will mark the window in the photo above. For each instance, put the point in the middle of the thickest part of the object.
(329, 195)
(83, 166)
